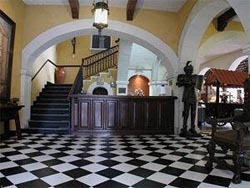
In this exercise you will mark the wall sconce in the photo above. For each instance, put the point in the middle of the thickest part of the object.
(101, 12)
(73, 42)
(112, 84)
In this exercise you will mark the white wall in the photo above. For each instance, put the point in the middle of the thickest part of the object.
(46, 74)
(222, 62)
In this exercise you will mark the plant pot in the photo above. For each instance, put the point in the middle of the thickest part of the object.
(60, 75)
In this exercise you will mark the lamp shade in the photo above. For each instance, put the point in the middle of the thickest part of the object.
(101, 12)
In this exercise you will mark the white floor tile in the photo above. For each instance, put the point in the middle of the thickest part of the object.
(181, 165)
(56, 179)
(64, 167)
(128, 179)
(94, 167)
(153, 166)
(21, 178)
(92, 179)
(34, 166)
(162, 178)
(194, 176)
(124, 167)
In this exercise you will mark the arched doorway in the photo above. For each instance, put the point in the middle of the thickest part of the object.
(85, 27)
(138, 86)
(100, 91)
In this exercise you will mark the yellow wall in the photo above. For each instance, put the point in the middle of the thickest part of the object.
(15, 10)
(160, 23)
(211, 30)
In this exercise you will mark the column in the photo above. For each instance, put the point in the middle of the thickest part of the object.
(125, 48)
(25, 95)
(153, 89)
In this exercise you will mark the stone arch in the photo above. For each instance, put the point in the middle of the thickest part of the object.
(204, 71)
(236, 63)
(105, 85)
(219, 39)
(84, 27)
(200, 17)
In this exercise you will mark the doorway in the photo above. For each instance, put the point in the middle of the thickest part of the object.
(100, 91)
(138, 86)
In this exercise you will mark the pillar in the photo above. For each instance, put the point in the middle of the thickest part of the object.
(125, 48)
(26, 76)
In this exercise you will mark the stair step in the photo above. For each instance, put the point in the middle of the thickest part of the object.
(43, 99)
(49, 130)
(49, 110)
(54, 117)
(48, 124)
(56, 91)
(51, 105)
(54, 95)
(58, 85)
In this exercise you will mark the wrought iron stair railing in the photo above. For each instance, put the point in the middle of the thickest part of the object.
(100, 62)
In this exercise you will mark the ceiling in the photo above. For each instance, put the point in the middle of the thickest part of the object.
(165, 5)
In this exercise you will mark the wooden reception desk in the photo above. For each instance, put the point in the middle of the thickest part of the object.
(122, 114)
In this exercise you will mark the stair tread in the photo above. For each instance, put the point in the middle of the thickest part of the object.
(48, 121)
(51, 103)
(37, 108)
(50, 114)
(47, 128)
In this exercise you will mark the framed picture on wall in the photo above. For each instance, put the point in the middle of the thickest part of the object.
(7, 35)
(100, 42)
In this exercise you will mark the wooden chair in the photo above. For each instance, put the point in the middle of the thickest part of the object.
(236, 139)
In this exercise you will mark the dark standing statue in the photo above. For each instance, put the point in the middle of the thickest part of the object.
(189, 82)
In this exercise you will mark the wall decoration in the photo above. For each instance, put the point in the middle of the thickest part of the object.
(100, 42)
(7, 35)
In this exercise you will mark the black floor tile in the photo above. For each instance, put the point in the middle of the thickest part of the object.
(149, 184)
(185, 183)
(217, 180)
(109, 173)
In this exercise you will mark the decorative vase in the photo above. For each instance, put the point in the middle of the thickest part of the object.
(60, 75)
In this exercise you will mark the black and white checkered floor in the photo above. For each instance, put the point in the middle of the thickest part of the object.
(110, 161)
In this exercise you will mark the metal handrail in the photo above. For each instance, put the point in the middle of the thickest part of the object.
(51, 62)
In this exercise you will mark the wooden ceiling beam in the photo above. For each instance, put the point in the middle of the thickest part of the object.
(225, 18)
(131, 9)
(74, 6)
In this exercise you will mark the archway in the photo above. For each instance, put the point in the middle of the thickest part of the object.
(84, 27)
(225, 44)
(138, 85)
(236, 63)
(199, 18)
(105, 85)
(100, 91)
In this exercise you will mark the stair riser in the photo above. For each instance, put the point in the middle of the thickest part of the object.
(66, 92)
(49, 118)
(48, 125)
(54, 131)
(54, 96)
(48, 111)
(46, 100)
(51, 105)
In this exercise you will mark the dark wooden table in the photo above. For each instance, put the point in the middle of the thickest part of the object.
(9, 112)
